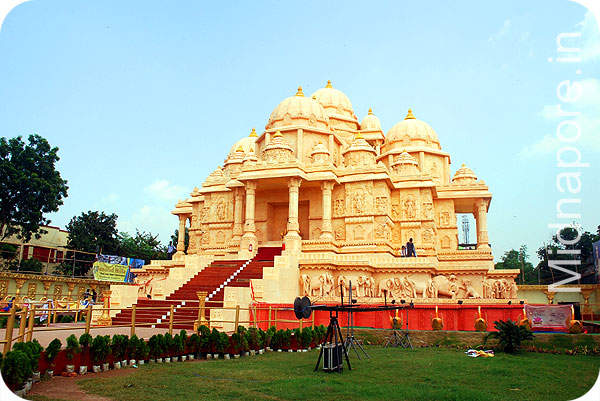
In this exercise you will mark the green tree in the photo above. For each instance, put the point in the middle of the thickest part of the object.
(143, 246)
(92, 233)
(514, 259)
(175, 238)
(30, 186)
(581, 250)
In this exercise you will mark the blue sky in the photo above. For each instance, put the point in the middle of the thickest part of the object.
(145, 98)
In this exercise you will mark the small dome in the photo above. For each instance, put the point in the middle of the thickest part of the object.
(413, 132)
(464, 175)
(334, 101)
(247, 144)
(359, 144)
(320, 149)
(298, 110)
(370, 122)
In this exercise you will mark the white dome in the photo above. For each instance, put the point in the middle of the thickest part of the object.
(413, 132)
(246, 143)
(298, 110)
(334, 101)
(370, 122)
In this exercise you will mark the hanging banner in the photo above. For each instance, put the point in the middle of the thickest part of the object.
(110, 272)
(548, 316)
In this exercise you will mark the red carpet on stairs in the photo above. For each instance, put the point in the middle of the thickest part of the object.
(210, 280)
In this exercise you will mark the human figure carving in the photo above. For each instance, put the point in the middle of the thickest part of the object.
(470, 292)
(305, 284)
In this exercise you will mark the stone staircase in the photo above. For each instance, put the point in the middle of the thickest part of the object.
(213, 279)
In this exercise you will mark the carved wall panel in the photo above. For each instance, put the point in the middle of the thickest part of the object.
(340, 207)
(31, 290)
(3, 288)
(58, 290)
(445, 243)
(340, 233)
(409, 207)
(359, 233)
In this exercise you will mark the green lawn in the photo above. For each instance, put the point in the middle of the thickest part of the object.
(390, 374)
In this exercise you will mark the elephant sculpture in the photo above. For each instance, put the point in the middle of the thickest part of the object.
(357, 284)
(305, 284)
(387, 285)
(322, 285)
(442, 285)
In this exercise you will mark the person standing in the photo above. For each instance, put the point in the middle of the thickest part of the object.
(170, 250)
(410, 248)
(403, 251)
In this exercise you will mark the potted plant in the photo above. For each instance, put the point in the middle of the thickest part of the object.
(132, 346)
(178, 347)
(51, 352)
(236, 344)
(204, 340)
(16, 369)
(193, 346)
(100, 349)
(141, 351)
(213, 341)
(154, 348)
(306, 337)
(168, 346)
(72, 349)
(184, 342)
(125, 347)
(85, 340)
(262, 340)
(117, 350)
(222, 344)
(33, 350)
(269, 343)
(161, 348)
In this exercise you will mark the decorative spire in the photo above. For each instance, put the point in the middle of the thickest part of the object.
(240, 149)
(300, 93)
(253, 133)
(277, 134)
(358, 136)
(410, 116)
(370, 111)
(328, 84)
(314, 97)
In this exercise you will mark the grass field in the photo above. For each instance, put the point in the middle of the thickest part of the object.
(390, 374)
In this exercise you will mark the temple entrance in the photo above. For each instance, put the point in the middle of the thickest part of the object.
(277, 217)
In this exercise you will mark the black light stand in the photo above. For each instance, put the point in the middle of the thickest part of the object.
(350, 341)
(402, 338)
(334, 337)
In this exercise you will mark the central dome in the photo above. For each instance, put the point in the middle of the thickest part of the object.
(413, 132)
(298, 110)
(334, 101)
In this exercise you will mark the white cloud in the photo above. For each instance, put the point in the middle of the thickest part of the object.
(111, 198)
(588, 105)
(151, 219)
(503, 31)
(162, 190)
(590, 33)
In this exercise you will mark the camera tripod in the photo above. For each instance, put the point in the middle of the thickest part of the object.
(334, 336)
(398, 337)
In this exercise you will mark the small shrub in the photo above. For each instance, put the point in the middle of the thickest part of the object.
(153, 344)
(222, 342)
(52, 351)
(306, 337)
(85, 340)
(72, 346)
(509, 335)
(100, 348)
(16, 368)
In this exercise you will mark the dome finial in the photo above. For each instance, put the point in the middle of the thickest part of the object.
(240, 149)
(370, 111)
(278, 134)
(299, 93)
(253, 133)
(358, 136)
(328, 84)
(410, 116)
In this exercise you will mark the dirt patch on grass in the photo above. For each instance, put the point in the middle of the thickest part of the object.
(66, 388)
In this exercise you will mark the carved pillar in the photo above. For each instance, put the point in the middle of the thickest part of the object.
(293, 241)
(326, 229)
(70, 286)
(249, 227)
(249, 242)
(550, 296)
(46, 285)
(181, 235)
(238, 227)
(105, 319)
(482, 234)
(585, 293)
(19, 282)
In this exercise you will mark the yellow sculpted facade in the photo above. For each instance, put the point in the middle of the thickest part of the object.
(343, 198)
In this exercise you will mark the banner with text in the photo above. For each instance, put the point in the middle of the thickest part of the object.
(548, 316)
(110, 272)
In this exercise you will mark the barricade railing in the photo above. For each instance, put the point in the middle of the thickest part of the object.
(27, 315)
